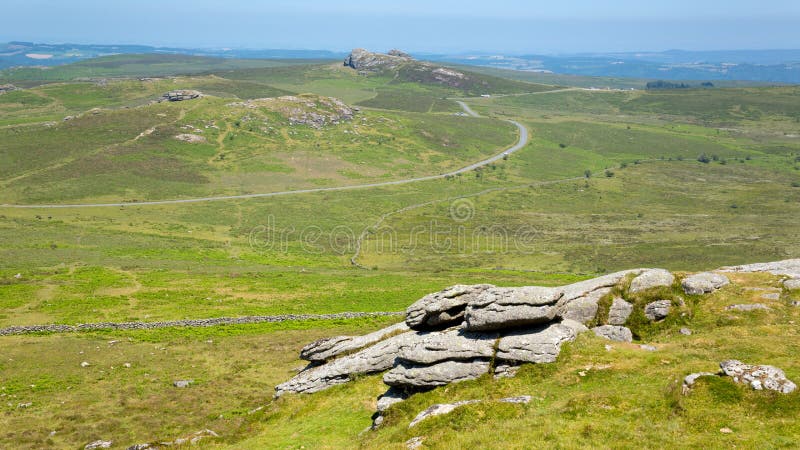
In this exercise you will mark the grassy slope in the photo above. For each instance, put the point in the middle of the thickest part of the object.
(211, 259)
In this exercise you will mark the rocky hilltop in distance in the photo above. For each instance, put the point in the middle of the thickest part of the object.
(409, 69)
(361, 59)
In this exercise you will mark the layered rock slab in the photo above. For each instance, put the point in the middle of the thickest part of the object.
(376, 358)
(443, 308)
(540, 344)
(429, 376)
(328, 348)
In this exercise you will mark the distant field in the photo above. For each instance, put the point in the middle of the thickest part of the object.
(145, 65)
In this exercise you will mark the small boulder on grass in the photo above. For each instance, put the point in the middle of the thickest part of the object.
(651, 278)
(657, 310)
(758, 377)
(703, 283)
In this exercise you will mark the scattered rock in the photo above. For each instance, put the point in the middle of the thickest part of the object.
(315, 111)
(540, 344)
(614, 333)
(25, 405)
(18, 276)
(619, 312)
(771, 296)
(7, 88)
(689, 380)
(657, 310)
(795, 302)
(685, 331)
(127, 365)
(725, 430)
(758, 377)
(651, 278)
(748, 307)
(182, 383)
(522, 399)
(788, 267)
(792, 284)
(414, 443)
(440, 374)
(390, 397)
(505, 370)
(181, 95)
(647, 347)
(98, 444)
(443, 308)
(438, 410)
(191, 138)
(703, 283)
(325, 349)
(85, 364)
(497, 308)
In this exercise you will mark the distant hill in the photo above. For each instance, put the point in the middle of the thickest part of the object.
(16, 53)
(775, 66)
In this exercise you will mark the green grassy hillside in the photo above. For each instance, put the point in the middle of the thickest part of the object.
(608, 181)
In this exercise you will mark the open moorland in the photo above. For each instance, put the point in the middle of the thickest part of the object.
(687, 180)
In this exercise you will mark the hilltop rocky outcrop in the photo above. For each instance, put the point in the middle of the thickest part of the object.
(361, 59)
(468, 331)
(181, 95)
(315, 111)
(411, 70)
(7, 88)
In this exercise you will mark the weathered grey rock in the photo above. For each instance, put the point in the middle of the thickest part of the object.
(540, 344)
(795, 303)
(389, 398)
(614, 333)
(703, 283)
(376, 358)
(505, 369)
(577, 327)
(439, 409)
(328, 348)
(98, 444)
(748, 307)
(657, 310)
(758, 376)
(792, 284)
(685, 331)
(522, 399)
(771, 296)
(453, 344)
(788, 267)
(182, 383)
(446, 372)
(181, 95)
(443, 308)
(689, 380)
(583, 309)
(361, 59)
(503, 308)
(400, 53)
(7, 88)
(648, 347)
(415, 442)
(651, 278)
(581, 288)
(619, 311)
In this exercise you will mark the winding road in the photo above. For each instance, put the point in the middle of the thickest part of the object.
(521, 142)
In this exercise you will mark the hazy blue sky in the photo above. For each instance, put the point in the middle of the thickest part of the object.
(416, 25)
